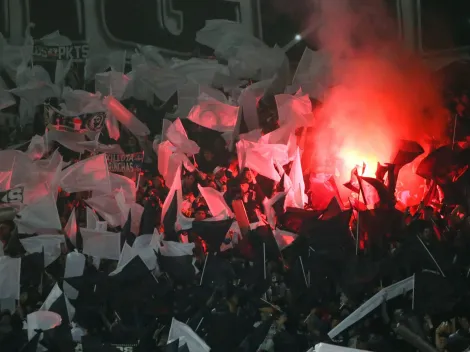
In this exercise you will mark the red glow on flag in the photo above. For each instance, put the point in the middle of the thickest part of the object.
(288, 240)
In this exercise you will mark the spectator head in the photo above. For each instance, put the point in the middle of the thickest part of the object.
(208, 155)
(244, 186)
(189, 179)
(248, 175)
(464, 324)
(200, 214)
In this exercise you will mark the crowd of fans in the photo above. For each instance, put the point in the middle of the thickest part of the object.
(254, 292)
(242, 309)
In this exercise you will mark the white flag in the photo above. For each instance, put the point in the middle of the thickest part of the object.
(176, 134)
(213, 114)
(323, 347)
(53, 296)
(40, 215)
(74, 267)
(185, 334)
(10, 271)
(388, 293)
(216, 202)
(101, 244)
(87, 175)
(71, 228)
(49, 244)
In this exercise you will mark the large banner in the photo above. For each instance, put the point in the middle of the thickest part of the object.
(77, 52)
(125, 162)
(14, 195)
(53, 118)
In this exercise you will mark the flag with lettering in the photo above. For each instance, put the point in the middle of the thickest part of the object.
(125, 162)
(14, 195)
(66, 121)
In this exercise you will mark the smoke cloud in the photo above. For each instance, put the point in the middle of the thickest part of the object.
(382, 92)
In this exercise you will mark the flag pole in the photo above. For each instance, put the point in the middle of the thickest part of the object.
(433, 259)
(264, 260)
(203, 269)
(413, 297)
(309, 271)
(357, 233)
(303, 270)
(137, 182)
(361, 190)
(455, 130)
(198, 325)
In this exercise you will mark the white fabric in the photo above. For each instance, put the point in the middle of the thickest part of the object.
(39, 215)
(136, 212)
(6, 99)
(215, 201)
(96, 147)
(111, 83)
(62, 68)
(189, 93)
(69, 140)
(105, 245)
(248, 100)
(176, 134)
(54, 295)
(106, 205)
(36, 148)
(5, 180)
(42, 320)
(125, 117)
(295, 109)
(247, 56)
(312, 74)
(169, 160)
(152, 54)
(141, 248)
(50, 244)
(10, 271)
(99, 61)
(113, 127)
(91, 219)
(87, 175)
(387, 293)
(34, 86)
(175, 249)
(296, 197)
(260, 158)
(78, 102)
(323, 347)
(284, 238)
(74, 267)
(186, 335)
(213, 114)
(118, 183)
(71, 228)
(152, 80)
(201, 71)
(268, 208)
(172, 193)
